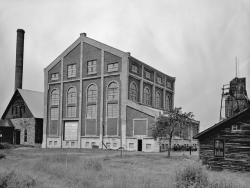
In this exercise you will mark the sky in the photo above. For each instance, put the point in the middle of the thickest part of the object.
(195, 41)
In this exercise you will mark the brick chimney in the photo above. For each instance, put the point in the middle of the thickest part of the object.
(19, 59)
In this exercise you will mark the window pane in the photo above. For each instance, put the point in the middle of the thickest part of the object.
(158, 100)
(54, 113)
(147, 96)
(55, 97)
(112, 67)
(71, 71)
(71, 97)
(91, 112)
(91, 66)
(133, 92)
(92, 93)
(113, 111)
(113, 91)
(71, 111)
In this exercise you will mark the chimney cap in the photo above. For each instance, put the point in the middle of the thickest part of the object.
(83, 34)
(20, 30)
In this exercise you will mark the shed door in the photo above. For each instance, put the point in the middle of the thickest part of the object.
(17, 136)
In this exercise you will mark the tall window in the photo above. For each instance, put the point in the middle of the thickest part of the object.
(133, 92)
(25, 135)
(71, 102)
(112, 97)
(71, 96)
(91, 67)
(168, 103)
(219, 148)
(71, 70)
(147, 96)
(55, 97)
(113, 91)
(92, 102)
(92, 93)
(158, 99)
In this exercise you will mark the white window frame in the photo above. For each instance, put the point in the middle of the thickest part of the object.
(236, 127)
(71, 71)
(91, 66)
(54, 76)
(112, 67)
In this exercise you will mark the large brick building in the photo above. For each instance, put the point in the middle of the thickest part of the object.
(100, 96)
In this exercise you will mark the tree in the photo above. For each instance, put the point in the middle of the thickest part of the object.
(170, 123)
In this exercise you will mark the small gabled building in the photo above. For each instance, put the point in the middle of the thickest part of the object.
(22, 120)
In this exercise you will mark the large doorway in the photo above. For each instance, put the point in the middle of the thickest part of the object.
(139, 145)
(17, 136)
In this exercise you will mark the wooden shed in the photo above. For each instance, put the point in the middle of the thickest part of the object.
(226, 145)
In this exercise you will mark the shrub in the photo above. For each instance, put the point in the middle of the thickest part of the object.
(2, 156)
(93, 164)
(193, 176)
(13, 180)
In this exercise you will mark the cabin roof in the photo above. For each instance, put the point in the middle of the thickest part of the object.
(221, 123)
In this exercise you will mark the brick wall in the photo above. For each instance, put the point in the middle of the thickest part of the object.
(72, 57)
(91, 53)
(55, 69)
(135, 114)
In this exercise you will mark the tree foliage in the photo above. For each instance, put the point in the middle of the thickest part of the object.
(168, 124)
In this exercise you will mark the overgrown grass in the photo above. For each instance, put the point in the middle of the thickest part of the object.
(108, 170)
(13, 179)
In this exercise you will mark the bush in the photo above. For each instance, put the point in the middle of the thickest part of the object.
(93, 164)
(13, 180)
(193, 176)
(2, 156)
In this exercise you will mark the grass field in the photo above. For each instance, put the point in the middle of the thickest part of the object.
(54, 168)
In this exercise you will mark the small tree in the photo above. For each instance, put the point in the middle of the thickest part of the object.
(168, 124)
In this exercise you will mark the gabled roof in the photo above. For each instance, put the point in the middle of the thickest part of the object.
(221, 123)
(33, 100)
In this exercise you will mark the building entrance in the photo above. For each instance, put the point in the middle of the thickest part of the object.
(139, 145)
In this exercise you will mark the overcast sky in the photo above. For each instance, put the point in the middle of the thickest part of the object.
(195, 41)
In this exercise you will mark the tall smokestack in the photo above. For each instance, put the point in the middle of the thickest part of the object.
(19, 58)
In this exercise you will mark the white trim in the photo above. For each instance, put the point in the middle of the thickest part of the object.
(139, 119)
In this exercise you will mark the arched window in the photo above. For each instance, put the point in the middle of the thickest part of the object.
(91, 102)
(158, 99)
(147, 96)
(113, 91)
(133, 91)
(71, 96)
(55, 97)
(71, 102)
(92, 93)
